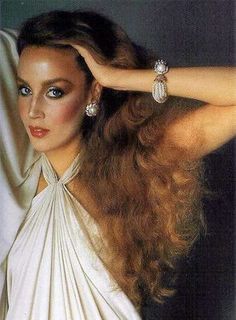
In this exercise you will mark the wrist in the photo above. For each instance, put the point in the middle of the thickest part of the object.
(132, 80)
(118, 80)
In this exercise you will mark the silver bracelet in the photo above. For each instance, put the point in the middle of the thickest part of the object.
(159, 87)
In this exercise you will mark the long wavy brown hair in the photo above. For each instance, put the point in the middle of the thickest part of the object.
(148, 190)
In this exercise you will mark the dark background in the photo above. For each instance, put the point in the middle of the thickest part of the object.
(185, 33)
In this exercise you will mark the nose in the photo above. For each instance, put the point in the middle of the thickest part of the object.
(35, 108)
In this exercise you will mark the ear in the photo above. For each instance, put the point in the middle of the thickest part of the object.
(95, 91)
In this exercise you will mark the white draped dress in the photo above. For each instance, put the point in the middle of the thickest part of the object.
(53, 271)
(50, 267)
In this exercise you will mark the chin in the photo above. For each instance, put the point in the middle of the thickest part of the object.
(41, 146)
(55, 143)
(42, 149)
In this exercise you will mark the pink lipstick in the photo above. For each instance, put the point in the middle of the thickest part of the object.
(38, 132)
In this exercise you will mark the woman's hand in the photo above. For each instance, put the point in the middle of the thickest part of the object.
(116, 78)
(106, 75)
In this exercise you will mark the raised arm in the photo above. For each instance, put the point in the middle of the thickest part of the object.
(214, 122)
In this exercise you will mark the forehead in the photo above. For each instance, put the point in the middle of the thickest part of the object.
(48, 61)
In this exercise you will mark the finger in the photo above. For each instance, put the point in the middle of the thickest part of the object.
(82, 51)
(85, 53)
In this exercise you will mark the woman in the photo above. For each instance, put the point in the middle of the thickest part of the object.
(112, 195)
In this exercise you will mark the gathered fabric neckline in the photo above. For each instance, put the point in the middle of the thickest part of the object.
(50, 174)
(52, 178)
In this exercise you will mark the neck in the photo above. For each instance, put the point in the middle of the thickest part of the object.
(62, 158)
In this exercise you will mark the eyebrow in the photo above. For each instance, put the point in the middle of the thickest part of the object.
(46, 82)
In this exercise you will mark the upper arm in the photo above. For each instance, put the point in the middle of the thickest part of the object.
(203, 130)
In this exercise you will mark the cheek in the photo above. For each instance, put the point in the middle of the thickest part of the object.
(22, 109)
(66, 114)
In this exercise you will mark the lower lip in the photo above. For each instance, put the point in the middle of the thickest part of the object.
(37, 133)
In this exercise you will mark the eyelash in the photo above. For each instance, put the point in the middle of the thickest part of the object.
(50, 90)
(61, 92)
(20, 92)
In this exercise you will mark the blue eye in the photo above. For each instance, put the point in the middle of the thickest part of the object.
(24, 91)
(55, 93)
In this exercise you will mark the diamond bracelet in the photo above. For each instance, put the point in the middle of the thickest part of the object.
(159, 87)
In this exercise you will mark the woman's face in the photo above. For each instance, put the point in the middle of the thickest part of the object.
(52, 95)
